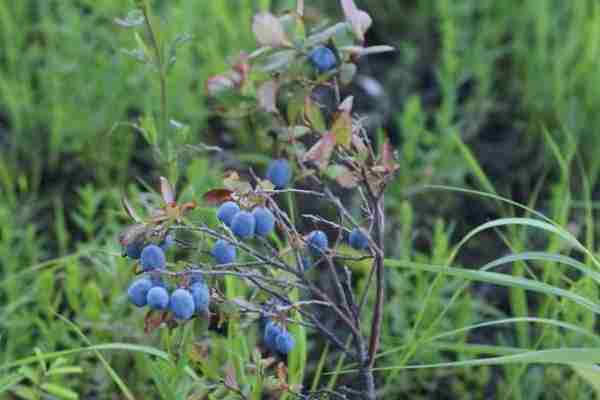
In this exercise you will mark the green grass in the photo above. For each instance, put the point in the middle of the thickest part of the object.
(486, 299)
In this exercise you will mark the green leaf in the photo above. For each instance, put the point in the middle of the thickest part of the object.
(7, 382)
(498, 279)
(342, 129)
(59, 391)
(312, 112)
(65, 371)
(591, 374)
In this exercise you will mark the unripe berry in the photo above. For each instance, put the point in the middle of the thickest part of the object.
(265, 222)
(323, 59)
(243, 225)
(272, 331)
(167, 243)
(158, 298)
(153, 257)
(284, 342)
(134, 250)
(138, 291)
(223, 252)
(317, 243)
(227, 211)
(279, 173)
(182, 304)
(201, 296)
(358, 239)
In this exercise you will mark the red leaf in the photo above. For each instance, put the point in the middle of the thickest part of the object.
(321, 152)
(216, 196)
(153, 320)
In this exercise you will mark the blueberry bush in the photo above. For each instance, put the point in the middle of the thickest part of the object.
(259, 241)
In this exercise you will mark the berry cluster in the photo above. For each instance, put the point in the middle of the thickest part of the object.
(150, 290)
(276, 338)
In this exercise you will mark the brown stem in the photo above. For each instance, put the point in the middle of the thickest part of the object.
(378, 231)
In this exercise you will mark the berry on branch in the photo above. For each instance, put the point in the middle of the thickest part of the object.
(182, 304)
(138, 291)
(243, 225)
(153, 257)
(227, 211)
(358, 239)
(223, 252)
(323, 59)
(265, 222)
(279, 173)
(317, 243)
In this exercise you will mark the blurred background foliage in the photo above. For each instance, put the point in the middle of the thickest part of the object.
(501, 96)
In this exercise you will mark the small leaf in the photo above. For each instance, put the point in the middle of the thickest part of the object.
(342, 129)
(321, 152)
(267, 96)
(130, 211)
(343, 176)
(269, 31)
(167, 192)
(218, 84)
(132, 234)
(59, 391)
(313, 114)
(153, 320)
(358, 19)
(278, 60)
(217, 196)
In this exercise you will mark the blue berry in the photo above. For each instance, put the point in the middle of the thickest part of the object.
(153, 257)
(265, 222)
(138, 291)
(134, 250)
(323, 59)
(227, 211)
(201, 296)
(223, 252)
(243, 225)
(284, 343)
(196, 277)
(317, 243)
(158, 298)
(358, 239)
(182, 304)
(167, 243)
(279, 173)
(272, 331)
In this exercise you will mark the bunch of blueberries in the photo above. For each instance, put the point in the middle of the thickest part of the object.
(277, 339)
(150, 290)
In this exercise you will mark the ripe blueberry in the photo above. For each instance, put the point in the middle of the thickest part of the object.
(272, 331)
(279, 173)
(167, 243)
(317, 243)
(223, 252)
(284, 343)
(201, 296)
(227, 211)
(138, 291)
(134, 250)
(243, 225)
(265, 222)
(358, 239)
(158, 298)
(323, 59)
(153, 257)
(182, 304)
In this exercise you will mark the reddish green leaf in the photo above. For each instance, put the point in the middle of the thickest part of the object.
(217, 196)
(321, 152)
